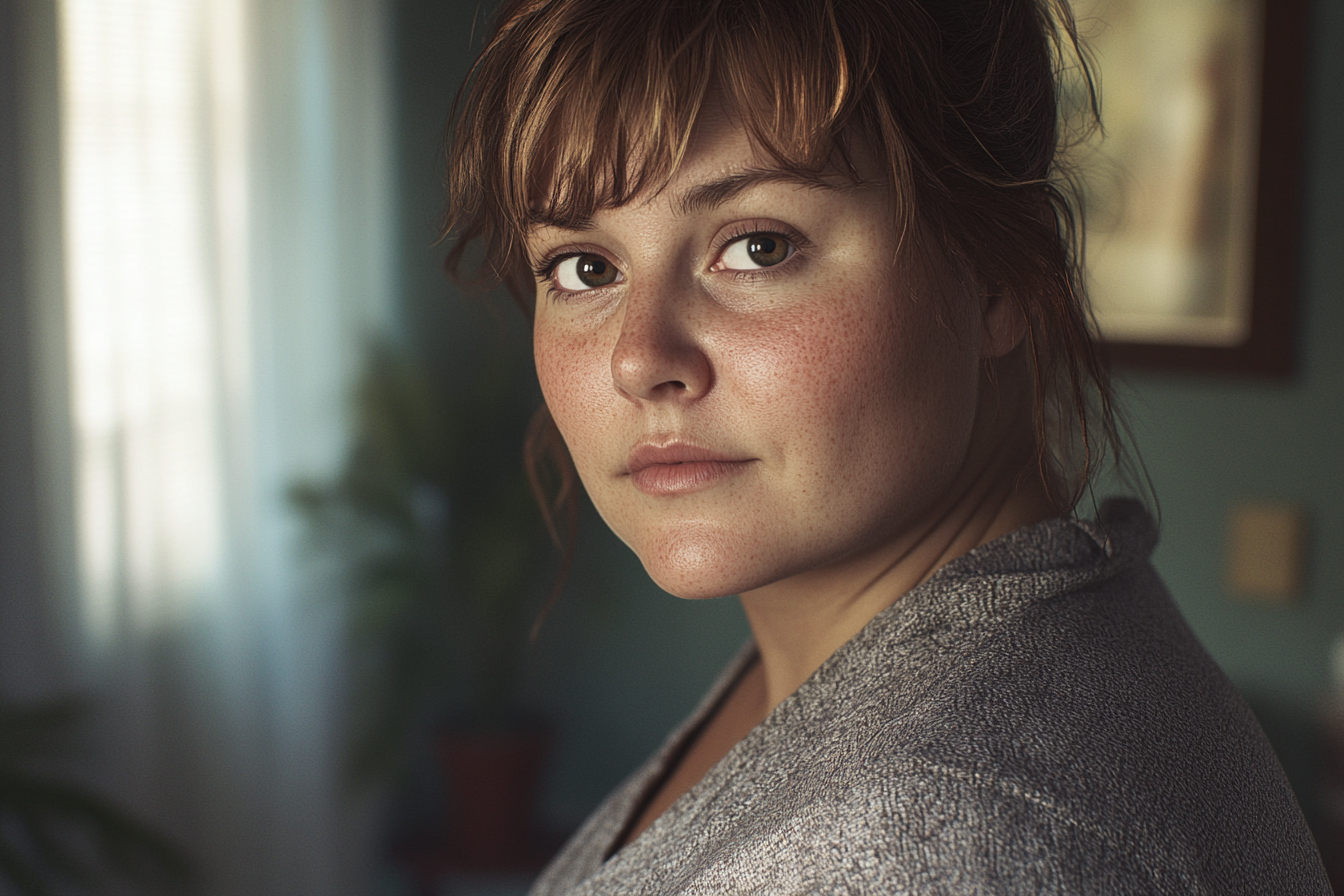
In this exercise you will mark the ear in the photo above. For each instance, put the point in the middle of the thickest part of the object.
(1004, 324)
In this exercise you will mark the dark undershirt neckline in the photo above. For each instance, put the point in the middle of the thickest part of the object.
(675, 757)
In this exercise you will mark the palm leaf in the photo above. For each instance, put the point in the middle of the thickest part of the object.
(433, 521)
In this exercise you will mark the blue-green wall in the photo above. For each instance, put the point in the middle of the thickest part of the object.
(1209, 442)
(620, 661)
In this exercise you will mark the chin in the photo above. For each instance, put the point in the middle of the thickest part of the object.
(707, 564)
(693, 583)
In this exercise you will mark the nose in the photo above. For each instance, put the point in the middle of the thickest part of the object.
(659, 354)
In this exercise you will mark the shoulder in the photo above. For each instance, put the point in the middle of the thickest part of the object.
(1040, 718)
(911, 825)
(1045, 721)
(1035, 718)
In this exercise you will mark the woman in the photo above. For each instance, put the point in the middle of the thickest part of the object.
(807, 319)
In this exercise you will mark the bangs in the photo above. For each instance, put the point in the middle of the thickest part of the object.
(577, 107)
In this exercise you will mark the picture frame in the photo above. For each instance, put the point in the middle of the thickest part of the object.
(1232, 250)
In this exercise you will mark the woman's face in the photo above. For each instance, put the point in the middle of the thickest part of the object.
(751, 384)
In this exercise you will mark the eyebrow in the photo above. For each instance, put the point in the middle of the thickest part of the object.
(546, 218)
(702, 197)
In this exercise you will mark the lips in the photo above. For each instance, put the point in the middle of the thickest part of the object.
(679, 468)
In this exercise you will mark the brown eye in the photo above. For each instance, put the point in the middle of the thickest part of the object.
(588, 271)
(755, 251)
(766, 250)
(594, 271)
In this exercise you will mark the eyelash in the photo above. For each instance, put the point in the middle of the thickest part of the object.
(545, 268)
(749, 228)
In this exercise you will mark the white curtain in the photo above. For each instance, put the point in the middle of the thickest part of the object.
(225, 200)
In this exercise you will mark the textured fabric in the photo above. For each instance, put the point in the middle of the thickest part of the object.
(1036, 718)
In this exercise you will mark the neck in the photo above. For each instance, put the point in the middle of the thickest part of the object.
(799, 622)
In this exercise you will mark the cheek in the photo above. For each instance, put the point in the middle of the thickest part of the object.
(843, 362)
(574, 372)
(554, 366)
(923, 393)
(877, 393)
(795, 368)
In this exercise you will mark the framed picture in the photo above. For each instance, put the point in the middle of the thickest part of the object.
(1192, 193)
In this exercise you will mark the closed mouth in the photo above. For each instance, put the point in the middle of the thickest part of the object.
(680, 468)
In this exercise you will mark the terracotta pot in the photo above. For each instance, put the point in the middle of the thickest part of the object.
(492, 779)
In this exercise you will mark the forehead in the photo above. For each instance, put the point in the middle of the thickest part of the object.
(721, 162)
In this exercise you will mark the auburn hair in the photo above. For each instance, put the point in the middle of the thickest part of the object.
(967, 105)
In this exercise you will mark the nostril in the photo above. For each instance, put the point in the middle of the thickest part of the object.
(669, 388)
(658, 356)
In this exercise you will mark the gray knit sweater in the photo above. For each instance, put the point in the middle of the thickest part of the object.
(1035, 718)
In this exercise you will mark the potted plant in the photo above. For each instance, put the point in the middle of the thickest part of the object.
(445, 555)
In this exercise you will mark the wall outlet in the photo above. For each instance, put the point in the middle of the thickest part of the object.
(1266, 550)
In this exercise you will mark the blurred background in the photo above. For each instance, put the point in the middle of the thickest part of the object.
(256, 457)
